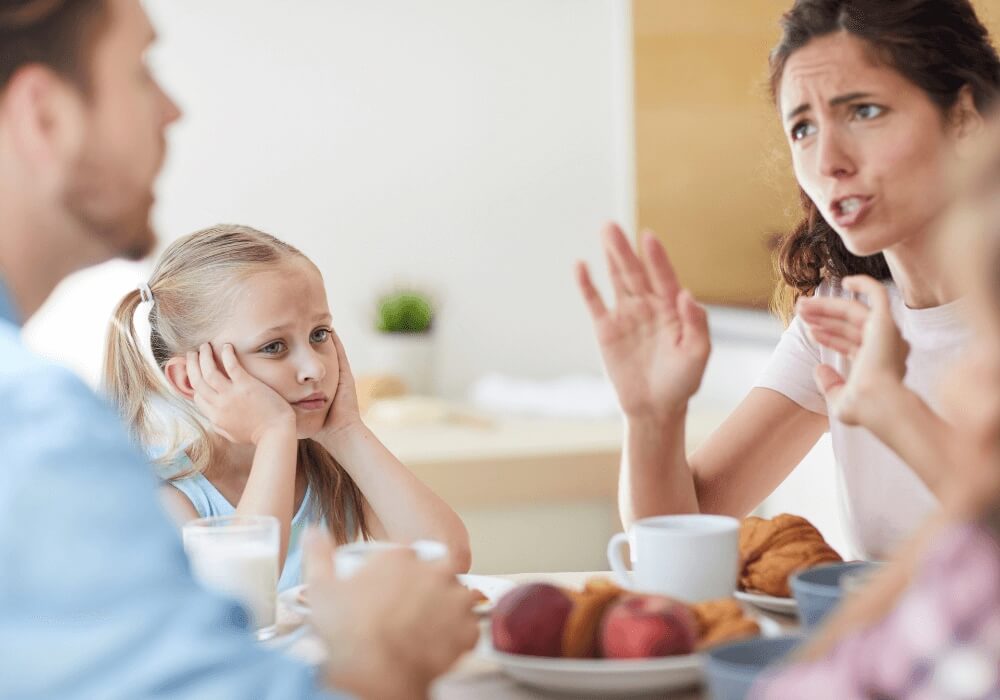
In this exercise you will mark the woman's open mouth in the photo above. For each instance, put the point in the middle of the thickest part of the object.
(851, 210)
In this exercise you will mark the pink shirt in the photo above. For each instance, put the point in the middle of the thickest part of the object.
(940, 642)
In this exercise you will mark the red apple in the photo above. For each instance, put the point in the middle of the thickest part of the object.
(642, 626)
(530, 620)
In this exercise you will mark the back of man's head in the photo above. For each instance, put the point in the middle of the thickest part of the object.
(60, 34)
(82, 132)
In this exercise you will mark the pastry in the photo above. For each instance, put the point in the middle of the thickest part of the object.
(720, 621)
(772, 550)
(581, 630)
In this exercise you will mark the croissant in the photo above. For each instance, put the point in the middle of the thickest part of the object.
(580, 634)
(722, 621)
(772, 550)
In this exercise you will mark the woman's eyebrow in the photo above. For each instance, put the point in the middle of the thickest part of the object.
(834, 102)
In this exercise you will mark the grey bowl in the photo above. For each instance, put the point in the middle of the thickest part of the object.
(817, 591)
(731, 669)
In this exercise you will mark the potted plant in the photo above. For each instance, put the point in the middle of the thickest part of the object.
(403, 347)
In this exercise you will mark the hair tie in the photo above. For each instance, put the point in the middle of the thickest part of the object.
(145, 293)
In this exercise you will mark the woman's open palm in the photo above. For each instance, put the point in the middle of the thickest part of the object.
(655, 340)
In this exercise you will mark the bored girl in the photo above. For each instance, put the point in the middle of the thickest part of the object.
(249, 402)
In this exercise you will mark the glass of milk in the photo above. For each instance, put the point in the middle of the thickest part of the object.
(349, 558)
(238, 555)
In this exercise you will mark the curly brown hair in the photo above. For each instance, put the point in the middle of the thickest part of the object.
(939, 45)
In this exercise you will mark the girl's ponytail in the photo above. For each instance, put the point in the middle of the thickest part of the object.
(129, 380)
(134, 388)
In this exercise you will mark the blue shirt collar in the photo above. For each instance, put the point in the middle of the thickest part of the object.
(8, 312)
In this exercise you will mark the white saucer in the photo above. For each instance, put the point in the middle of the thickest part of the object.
(784, 606)
(493, 587)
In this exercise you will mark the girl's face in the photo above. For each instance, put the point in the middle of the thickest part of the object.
(280, 327)
(869, 147)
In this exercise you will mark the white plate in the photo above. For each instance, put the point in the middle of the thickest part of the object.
(601, 676)
(607, 677)
(785, 606)
(493, 587)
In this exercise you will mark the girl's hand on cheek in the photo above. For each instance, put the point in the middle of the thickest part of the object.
(239, 406)
(344, 414)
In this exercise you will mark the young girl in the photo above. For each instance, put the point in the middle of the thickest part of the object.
(254, 403)
(929, 625)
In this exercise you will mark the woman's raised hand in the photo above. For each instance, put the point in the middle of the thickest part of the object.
(868, 336)
(655, 340)
(240, 407)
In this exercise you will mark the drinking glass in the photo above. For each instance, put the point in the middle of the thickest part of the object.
(238, 555)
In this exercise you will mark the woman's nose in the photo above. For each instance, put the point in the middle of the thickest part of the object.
(834, 160)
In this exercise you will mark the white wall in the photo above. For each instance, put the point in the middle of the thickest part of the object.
(473, 148)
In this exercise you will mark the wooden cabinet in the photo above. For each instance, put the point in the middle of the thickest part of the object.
(713, 175)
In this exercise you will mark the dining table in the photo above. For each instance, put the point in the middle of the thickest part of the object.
(476, 675)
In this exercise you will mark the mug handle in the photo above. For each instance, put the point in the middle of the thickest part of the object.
(618, 568)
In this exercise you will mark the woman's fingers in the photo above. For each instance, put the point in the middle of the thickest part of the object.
(878, 297)
(829, 381)
(835, 342)
(631, 269)
(850, 332)
(615, 272)
(661, 271)
(848, 310)
(694, 320)
(590, 294)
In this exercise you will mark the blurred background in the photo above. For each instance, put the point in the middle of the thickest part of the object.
(471, 150)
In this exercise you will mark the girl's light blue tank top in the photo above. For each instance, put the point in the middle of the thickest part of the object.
(208, 501)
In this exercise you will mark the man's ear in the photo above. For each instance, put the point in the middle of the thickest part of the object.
(46, 114)
(176, 372)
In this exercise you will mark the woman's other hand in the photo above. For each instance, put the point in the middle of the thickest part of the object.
(869, 338)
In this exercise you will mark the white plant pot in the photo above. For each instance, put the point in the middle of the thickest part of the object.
(409, 356)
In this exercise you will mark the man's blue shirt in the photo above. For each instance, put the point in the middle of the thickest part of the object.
(96, 598)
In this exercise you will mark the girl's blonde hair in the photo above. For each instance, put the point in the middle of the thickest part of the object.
(192, 286)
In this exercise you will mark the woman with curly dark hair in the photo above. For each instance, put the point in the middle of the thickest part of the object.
(877, 100)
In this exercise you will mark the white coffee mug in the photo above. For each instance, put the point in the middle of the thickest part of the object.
(688, 557)
(351, 557)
